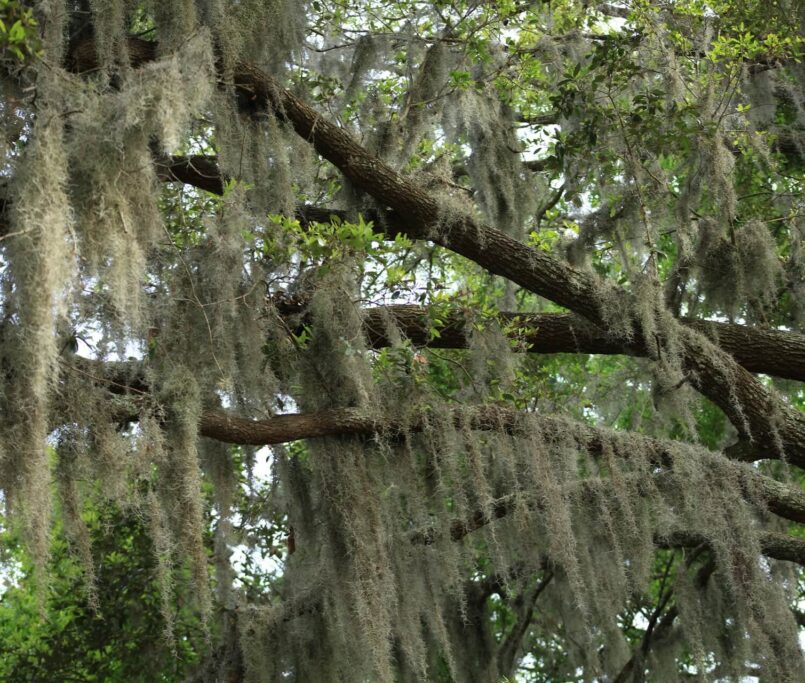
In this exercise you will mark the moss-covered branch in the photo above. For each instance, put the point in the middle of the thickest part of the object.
(771, 352)
(781, 499)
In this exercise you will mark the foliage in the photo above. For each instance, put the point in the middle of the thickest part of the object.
(118, 635)
(18, 35)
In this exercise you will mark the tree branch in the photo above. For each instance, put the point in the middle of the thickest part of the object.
(662, 630)
(781, 499)
(511, 644)
(771, 352)
(200, 171)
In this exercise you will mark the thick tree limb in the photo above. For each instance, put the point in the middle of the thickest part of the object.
(772, 544)
(771, 352)
(783, 500)
(788, 503)
(779, 546)
(199, 171)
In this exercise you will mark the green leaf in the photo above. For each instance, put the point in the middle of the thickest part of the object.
(17, 32)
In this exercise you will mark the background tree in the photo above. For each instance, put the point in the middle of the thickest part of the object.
(512, 291)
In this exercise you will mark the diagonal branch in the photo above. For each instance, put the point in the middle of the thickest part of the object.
(758, 414)
(632, 670)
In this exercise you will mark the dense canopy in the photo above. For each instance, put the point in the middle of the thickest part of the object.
(348, 340)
